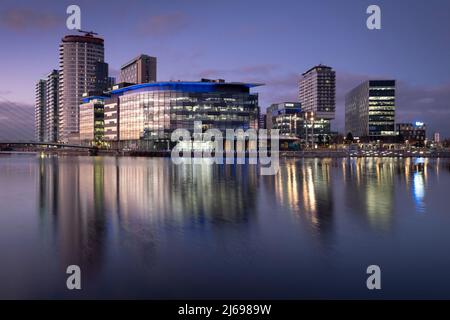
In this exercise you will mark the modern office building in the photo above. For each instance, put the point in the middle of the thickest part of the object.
(39, 110)
(413, 133)
(141, 69)
(82, 69)
(92, 120)
(51, 107)
(317, 92)
(370, 110)
(286, 117)
(143, 116)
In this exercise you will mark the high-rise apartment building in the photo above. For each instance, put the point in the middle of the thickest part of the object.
(370, 110)
(51, 107)
(82, 69)
(317, 92)
(141, 69)
(39, 111)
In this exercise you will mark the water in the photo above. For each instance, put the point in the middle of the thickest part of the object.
(145, 228)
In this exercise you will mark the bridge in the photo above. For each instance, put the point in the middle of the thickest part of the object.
(7, 143)
(17, 124)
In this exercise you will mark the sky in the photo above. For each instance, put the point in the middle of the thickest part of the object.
(270, 42)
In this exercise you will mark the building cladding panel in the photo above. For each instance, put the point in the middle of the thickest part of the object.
(92, 120)
(317, 91)
(370, 109)
(141, 69)
(81, 58)
(111, 120)
(154, 111)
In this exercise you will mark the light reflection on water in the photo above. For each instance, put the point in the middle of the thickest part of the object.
(145, 228)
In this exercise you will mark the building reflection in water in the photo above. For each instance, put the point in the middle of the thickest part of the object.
(91, 206)
(88, 201)
(369, 189)
(304, 188)
(420, 176)
(159, 191)
(71, 192)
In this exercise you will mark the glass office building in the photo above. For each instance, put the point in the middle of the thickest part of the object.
(92, 121)
(370, 110)
(292, 122)
(286, 117)
(143, 115)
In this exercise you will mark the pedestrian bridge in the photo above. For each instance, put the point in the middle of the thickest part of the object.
(6, 143)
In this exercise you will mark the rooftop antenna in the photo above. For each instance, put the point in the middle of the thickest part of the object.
(88, 33)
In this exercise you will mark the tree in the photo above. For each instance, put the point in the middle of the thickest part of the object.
(320, 138)
(349, 138)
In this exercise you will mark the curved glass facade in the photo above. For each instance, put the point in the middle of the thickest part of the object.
(153, 112)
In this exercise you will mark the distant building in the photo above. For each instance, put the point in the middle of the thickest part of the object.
(370, 110)
(51, 107)
(39, 110)
(262, 120)
(317, 92)
(286, 117)
(292, 122)
(437, 137)
(82, 69)
(414, 134)
(141, 69)
(111, 83)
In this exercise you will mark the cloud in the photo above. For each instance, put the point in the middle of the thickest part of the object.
(164, 24)
(20, 19)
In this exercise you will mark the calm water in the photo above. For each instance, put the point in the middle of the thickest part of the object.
(144, 228)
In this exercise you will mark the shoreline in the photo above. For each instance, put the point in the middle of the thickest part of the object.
(282, 154)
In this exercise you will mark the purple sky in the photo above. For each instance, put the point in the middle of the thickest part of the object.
(263, 41)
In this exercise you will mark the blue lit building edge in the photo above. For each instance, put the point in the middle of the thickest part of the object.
(185, 86)
(88, 99)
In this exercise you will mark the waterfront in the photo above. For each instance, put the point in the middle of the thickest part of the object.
(145, 228)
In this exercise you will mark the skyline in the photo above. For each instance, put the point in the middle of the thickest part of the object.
(268, 53)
